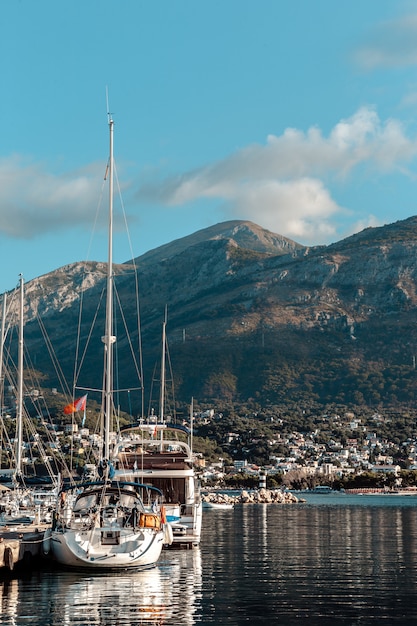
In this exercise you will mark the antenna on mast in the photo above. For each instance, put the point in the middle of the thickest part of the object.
(107, 105)
(110, 122)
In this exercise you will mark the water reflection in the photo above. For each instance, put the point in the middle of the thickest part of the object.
(326, 564)
(319, 563)
(162, 595)
(113, 598)
(9, 602)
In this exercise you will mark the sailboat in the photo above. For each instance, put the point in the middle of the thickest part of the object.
(108, 523)
(19, 504)
(15, 506)
(160, 453)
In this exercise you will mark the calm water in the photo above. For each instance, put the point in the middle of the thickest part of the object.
(334, 560)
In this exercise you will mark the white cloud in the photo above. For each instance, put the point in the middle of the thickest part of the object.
(285, 184)
(34, 201)
(301, 208)
(391, 44)
(289, 184)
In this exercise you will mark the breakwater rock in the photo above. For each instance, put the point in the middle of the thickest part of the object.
(259, 496)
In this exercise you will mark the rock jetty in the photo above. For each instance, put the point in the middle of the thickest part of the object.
(259, 496)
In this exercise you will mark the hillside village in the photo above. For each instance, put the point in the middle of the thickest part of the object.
(341, 449)
(323, 457)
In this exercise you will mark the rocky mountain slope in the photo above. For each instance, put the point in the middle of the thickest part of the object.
(252, 316)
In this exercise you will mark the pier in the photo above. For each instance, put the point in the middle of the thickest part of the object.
(21, 546)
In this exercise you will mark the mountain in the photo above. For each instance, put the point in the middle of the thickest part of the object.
(253, 317)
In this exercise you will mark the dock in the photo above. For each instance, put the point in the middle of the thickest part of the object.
(21, 546)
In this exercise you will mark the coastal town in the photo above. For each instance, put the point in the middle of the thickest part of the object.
(349, 450)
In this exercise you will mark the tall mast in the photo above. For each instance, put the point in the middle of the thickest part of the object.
(109, 338)
(2, 337)
(20, 385)
(163, 357)
(191, 425)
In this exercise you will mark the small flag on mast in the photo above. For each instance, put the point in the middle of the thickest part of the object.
(77, 405)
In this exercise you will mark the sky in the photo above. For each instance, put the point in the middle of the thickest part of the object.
(298, 115)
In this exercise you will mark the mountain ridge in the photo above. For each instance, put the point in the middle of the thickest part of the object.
(244, 233)
(237, 295)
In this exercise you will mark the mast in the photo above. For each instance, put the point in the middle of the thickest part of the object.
(163, 357)
(19, 414)
(109, 338)
(162, 389)
(2, 337)
(191, 425)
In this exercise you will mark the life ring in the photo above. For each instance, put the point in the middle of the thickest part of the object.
(8, 558)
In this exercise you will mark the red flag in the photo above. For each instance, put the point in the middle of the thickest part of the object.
(77, 405)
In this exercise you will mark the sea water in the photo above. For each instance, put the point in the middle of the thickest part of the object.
(334, 560)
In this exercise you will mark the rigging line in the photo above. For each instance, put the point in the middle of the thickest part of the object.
(11, 365)
(9, 447)
(83, 356)
(28, 422)
(151, 392)
(31, 430)
(77, 366)
(11, 301)
(52, 354)
(171, 380)
(29, 426)
(135, 269)
(86, 273)
(97, 213)
(123, 210)
(128, 338)
(77, 343)
(41, 407)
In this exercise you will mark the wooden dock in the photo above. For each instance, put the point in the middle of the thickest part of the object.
(21, 546)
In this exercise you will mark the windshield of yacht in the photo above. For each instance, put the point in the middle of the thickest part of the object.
(85, 502)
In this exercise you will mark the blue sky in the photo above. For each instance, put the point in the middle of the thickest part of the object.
(299, 115)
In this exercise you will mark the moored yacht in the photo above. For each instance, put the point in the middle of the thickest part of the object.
(147, 454)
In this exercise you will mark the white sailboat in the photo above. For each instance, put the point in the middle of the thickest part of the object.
(153, 452)
(19, 504)
(16, 506)
(109, 523)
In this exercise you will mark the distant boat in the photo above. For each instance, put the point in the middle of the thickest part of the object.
(322, 489)
(220, 506)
